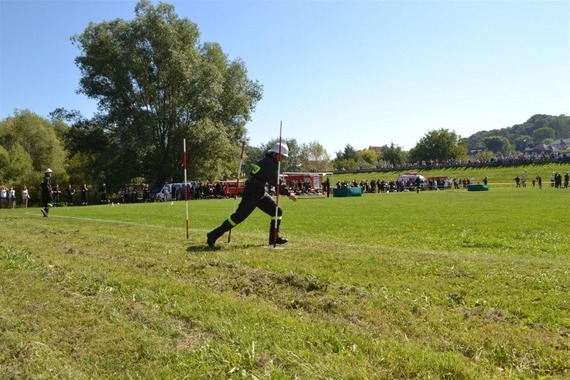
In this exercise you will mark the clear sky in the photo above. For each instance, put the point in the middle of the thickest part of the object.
(337, 72)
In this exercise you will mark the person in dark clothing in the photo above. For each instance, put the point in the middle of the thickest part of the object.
(47, 193)
(69, 193)
(84, 194)
(255, 196)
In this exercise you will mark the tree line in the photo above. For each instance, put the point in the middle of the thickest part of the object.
(81, 152)
(538, 129)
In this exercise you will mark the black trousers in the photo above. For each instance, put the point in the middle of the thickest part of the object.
(251, 201)
(47, 198)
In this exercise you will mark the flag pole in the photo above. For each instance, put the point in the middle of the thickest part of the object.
(237, 185)
(275, 233)
(186, 189)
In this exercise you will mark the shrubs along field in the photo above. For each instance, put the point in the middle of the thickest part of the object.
(437, 285)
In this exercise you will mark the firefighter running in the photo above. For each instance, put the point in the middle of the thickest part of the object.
(255, 195)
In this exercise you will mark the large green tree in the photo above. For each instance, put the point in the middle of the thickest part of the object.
(346, 159)
(439, 145)
(314, 157)
(543, 133)
(37, 136)
(28, 145)
(498, 144)
(157, 85)
(393, 154)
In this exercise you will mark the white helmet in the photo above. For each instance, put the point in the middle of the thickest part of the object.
(48, 170)
(284, 151)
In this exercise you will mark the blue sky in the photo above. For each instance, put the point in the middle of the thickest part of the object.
(336, 72)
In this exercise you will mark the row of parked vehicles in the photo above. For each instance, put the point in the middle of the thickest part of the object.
(176, 191)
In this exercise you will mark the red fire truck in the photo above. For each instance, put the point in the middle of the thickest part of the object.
(230, 189)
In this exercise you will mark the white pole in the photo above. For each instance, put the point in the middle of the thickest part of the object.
(237, 184)
(275, 234)
(186, 189)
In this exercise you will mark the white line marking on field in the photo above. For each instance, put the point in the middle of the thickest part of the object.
(296, 243)
(136, 224)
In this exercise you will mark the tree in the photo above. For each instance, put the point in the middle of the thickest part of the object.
(90, 149)
(19, 164)
(541, 134)
(32, 144)
(314, 157)
(156, 85)
(522, 141)
(476, 141)
(368, 156)
(28, 145)
(485, 156)
(393, 155)
(561, 126)
(346, 159)
(4, 164)
(440, 145)
(349, 153)
(498, 144)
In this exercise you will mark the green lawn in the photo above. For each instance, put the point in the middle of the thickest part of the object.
(435, 285)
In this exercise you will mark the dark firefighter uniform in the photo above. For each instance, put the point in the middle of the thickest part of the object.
(255, 196)
(47, 194)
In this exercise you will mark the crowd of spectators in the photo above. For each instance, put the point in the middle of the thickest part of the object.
(388, 186)
(207, 190)
(302, 188)
(504, 160)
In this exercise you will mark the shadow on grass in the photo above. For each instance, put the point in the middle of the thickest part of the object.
(203, 248)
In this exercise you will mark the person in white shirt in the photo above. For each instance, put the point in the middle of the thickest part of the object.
(25, 196)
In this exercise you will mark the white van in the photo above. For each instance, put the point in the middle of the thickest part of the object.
(408, 180)
(170, 192)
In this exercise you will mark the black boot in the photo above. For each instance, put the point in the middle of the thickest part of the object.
(212, 236)
(273, 233)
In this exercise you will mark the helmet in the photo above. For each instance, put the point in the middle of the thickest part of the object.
(284, 151)
(48, 170)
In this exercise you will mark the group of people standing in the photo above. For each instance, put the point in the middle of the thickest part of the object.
(556, 180)
(50, 196)
(66, 197)
(8, 197)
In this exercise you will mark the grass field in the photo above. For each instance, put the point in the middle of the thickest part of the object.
(435, 285)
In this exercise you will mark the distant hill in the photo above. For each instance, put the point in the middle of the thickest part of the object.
(539, 129)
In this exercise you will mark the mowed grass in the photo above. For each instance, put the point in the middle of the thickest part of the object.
(435, 285)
